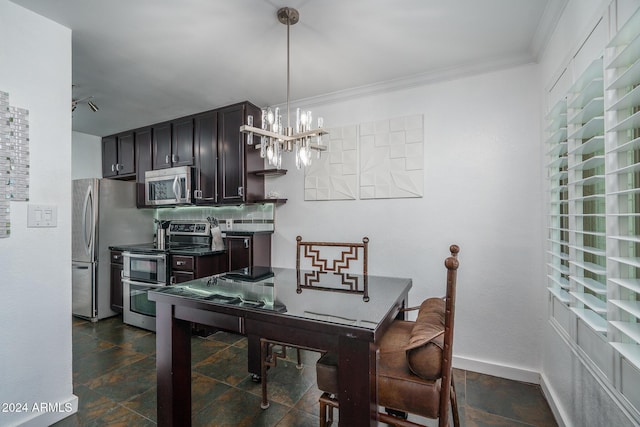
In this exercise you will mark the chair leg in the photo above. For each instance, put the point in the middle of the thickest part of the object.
(454, 404)
(299, 365)
(327, 405)
(264, 350)
(323, 414)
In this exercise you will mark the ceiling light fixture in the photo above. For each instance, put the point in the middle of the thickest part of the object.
(92, 106)
(274, 138)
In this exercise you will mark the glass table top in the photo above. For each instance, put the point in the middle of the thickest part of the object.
(347, 299)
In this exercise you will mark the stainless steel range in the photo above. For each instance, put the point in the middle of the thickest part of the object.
(147, 267)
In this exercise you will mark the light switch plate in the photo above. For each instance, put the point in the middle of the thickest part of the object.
(42, 216)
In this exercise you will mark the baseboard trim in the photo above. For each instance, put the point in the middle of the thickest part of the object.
(558, 413)
(52, 412)
(502, 371)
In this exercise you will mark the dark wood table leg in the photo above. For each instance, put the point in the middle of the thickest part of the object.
(173, 365)
(253, 356)
(357, 383)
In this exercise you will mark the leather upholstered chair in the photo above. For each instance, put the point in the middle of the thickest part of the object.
(344, 265)
(414, 365)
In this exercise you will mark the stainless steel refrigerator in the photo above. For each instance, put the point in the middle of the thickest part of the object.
(104, 214)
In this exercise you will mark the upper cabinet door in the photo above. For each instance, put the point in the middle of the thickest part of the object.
(118, 155)
(206, 149)
(143, 162)
(182, 143)
(126, 154)
(109, 156)
(162, 146)
(231, 154)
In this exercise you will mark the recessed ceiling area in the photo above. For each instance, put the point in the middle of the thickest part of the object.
(146, 61)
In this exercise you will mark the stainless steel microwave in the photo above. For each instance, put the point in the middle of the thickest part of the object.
(167, 187)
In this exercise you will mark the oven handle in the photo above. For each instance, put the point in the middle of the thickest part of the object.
(145, 256)
(149, 285)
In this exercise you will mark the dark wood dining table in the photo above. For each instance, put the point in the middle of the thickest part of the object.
(342, 313)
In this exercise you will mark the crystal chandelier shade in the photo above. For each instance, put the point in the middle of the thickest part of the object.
(275, 138)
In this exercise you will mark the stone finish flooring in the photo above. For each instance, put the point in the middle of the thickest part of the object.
(115, 380)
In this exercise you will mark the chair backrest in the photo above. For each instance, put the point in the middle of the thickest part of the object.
(447, 352)
(340, 267)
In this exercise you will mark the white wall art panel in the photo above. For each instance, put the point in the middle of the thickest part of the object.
(392, 158)
(335, 175)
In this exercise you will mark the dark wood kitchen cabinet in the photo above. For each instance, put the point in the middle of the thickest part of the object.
(236, 159)
(248, 251)
(206, 149)
(189, 267)
(226, 167)
(173, 144)
(182, 142)
(116, 281)
(161, 146)
(118, 155)
(143, 162)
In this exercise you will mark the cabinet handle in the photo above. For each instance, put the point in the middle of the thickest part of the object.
(241, 191)
(174, 158)
(116, 257)
(166, 159)
(172, 280)
(180, 263)
(197, 194)
(113, 167)
(246, 243)
(119, 167)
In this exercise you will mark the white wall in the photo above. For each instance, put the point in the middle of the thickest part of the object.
(482, 192)
(35, 354)
(86, 156)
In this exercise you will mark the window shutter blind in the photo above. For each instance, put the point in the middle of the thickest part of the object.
(623, 182)
(558, 233)
(586, 182)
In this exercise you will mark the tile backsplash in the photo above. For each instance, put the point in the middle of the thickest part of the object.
(258, 217)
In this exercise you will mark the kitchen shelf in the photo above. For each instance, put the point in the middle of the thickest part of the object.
(270, 172)
(276, 201)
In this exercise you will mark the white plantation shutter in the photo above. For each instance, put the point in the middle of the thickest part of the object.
(593, 163)
(586, 181)
(622, 63)
(558, 233)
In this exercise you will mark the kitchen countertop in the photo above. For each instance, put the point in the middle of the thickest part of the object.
(246, 233)
(150, 247)
(188, 251)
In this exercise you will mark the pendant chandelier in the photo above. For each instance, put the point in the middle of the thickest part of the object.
(274, 137)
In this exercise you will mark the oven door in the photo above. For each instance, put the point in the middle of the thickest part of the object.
(138, 310)
(145, 267)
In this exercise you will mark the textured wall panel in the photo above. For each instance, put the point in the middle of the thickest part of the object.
(392, 158)
(335, 175)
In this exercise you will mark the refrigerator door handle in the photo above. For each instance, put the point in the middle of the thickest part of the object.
(88, 205)
(80, 266)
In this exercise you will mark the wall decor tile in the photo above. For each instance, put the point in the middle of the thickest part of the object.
(377, 160)
(392, 158)
(334, 176)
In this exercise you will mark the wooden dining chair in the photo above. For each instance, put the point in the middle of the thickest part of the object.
(316, 262)
(415, 373)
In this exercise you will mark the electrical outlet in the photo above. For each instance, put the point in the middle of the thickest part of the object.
(229, 224)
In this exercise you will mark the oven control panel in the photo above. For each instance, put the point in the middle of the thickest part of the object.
(189, 228)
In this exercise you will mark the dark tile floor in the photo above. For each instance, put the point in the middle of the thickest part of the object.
(114, 379)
